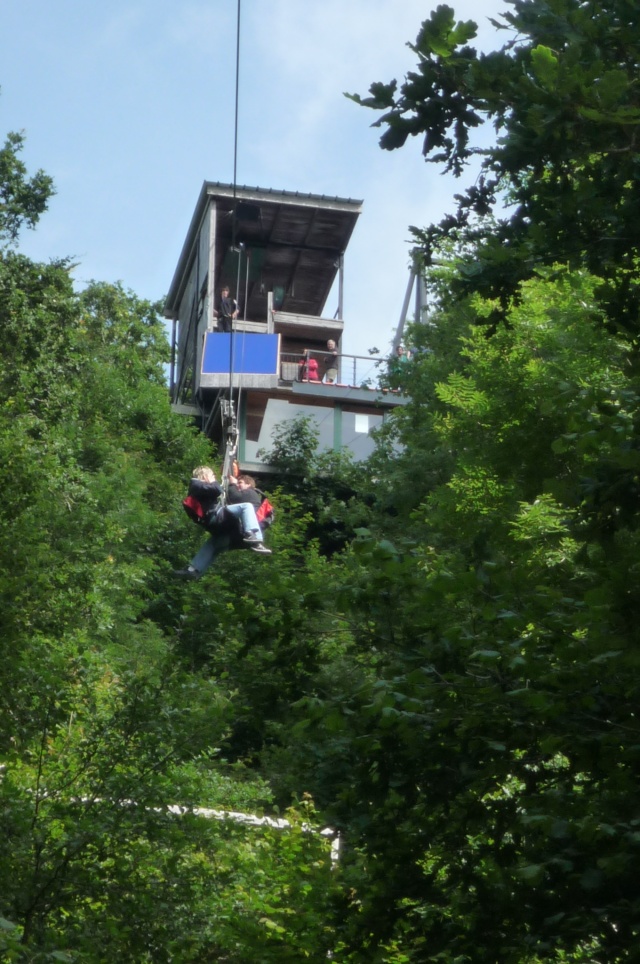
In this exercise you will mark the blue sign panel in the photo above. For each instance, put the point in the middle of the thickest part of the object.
(243, 352)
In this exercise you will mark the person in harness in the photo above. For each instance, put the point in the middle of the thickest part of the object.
(233, 526)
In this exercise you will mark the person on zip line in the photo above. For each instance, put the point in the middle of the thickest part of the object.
(233, 526)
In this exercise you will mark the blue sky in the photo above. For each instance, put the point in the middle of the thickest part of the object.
(129, 106)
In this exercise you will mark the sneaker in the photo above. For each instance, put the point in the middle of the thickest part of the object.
(188, 573)
(250, 537)
(261, 548)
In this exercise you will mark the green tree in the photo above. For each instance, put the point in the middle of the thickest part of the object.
(327, 486)
(483, 760)
(562, 97)
(97, 864)
(22, 199)
(92, 466)
(102, 725)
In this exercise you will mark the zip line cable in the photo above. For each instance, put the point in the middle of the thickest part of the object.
(228, 415)
(235, 130)
(234, 246)
(235, 200)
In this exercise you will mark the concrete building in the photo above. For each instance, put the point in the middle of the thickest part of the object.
(280, 254)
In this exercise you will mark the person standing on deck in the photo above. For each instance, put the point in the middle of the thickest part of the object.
(331, 362)
(226, 311)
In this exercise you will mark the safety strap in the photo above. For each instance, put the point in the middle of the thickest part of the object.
(230, 434)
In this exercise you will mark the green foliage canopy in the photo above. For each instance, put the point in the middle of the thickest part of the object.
(449, 670)
(103, 724)
(22, 199)
(562, 97)
(484, 759)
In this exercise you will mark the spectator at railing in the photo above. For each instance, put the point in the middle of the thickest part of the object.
(402, 356)
(331, 362)
(308, 368)
(395, 365)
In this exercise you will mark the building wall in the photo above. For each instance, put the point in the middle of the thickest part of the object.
(195, 311)
(338, 425)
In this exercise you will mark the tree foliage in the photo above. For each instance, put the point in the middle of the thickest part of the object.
(562, 97)
(22, 199)
(485, 762)
(327, 485)
(104, 725)
(439, 660)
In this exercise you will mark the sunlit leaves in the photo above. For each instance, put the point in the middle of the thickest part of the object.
(22, 199)
(562, 98)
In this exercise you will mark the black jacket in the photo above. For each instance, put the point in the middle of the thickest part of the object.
(234, 495)
(207, 494)
(227, 307)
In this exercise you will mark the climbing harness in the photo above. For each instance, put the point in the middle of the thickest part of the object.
(230, 440)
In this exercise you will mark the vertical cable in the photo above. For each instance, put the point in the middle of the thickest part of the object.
(235, 131)
(231, 435)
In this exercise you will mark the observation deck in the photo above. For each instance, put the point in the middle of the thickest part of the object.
(282, 256)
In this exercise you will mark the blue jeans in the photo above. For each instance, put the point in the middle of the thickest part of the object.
(246, 512)
(209, 550)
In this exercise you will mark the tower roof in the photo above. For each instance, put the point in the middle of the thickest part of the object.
(294, 243)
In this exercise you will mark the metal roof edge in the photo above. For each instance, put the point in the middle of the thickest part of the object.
(212, 189)
(271, 194)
